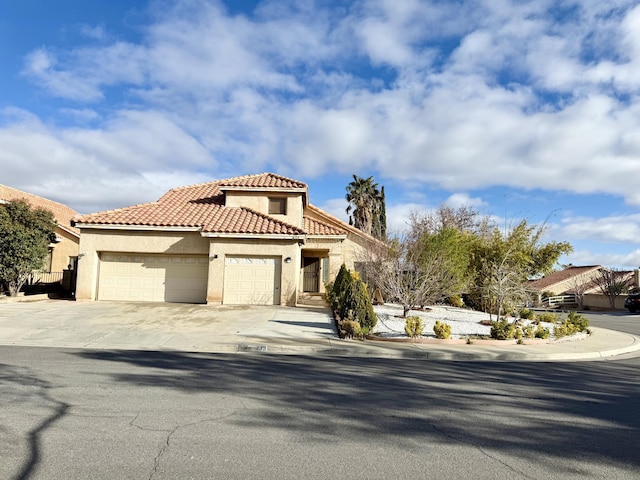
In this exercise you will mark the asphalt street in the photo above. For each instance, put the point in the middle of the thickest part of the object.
(125, 414)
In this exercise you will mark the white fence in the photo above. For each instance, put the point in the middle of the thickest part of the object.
(558, 300)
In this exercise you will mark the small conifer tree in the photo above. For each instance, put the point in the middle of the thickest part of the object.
(357, 303)
(340, 286)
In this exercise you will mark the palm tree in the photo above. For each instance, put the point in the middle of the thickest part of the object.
(365, 201)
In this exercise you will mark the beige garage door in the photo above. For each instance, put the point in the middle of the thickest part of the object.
(251, 281)
(153, 278)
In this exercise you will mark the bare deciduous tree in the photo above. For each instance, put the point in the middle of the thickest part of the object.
(404, 275)
(612, 282)
(579, 286)
(504, 284)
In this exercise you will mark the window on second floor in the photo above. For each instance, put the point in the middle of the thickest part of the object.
(277, 205)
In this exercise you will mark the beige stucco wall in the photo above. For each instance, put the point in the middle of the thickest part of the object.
(347, 250)
(569, 284)
(68, 247)
(352, 249)
(259, 201)
(601, 302)
(92, 242)
(95, 241)
(219, 248)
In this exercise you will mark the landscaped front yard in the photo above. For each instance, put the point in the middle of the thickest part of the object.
(464, 323)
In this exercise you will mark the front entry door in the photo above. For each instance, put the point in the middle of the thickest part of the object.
(311, 268)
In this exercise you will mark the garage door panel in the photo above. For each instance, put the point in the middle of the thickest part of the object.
(252, 280)
(153, 278)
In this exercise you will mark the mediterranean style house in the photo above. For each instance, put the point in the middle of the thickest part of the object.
(252, 239)
(63, 252)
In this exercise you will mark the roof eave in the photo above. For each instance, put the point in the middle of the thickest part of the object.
(255, 236)
(69, 231)
(328, 237)
(109, 226)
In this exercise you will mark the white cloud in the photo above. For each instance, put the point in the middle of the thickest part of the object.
(458, 200)
(135, 158)
(466, 96)
(625, 261)
(615, 229)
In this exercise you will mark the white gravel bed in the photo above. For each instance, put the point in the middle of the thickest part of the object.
(464, 323)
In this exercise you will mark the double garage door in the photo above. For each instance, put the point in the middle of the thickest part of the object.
(248, 280)
(153, 278)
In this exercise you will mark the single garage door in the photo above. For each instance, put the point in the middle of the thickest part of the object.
(251, 281)
(153, 278)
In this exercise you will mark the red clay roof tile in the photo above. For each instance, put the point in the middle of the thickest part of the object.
(202, 206)
(61, 213)
(263, 180)
(316, 227)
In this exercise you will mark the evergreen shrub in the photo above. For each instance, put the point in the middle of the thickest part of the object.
(442, 330)
(413, 326)
(502, 329)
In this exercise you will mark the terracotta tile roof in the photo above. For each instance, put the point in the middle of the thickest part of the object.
(560, 276)
(344, 225)
(263, 180)
(201, 206)
(62, 213)
(316, 227)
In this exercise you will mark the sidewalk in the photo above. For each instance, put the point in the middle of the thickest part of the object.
(265, 330)
(600, 345)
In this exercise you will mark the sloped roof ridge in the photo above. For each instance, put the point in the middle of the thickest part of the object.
(202, 184)
(78, 218)
(326, 225)
(270, 218)
(234, 180)
(32, 195)
(348, 227)
(61, 212)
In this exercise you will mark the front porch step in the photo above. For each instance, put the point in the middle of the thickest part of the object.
(312, 299)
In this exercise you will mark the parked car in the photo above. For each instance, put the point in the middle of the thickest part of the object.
(632, 302)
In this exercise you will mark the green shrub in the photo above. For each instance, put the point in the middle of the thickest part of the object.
(356, 302)
(579, 321)
(350, 329)
(574, 323)
(527, 314)
(442, 330)
(548, 317)
(339, 290)
(542, 332)
(413, 326)
(529, 331)
(455, 301)
(517, 334)
(329, 292)
(502, 329)
(563, 330)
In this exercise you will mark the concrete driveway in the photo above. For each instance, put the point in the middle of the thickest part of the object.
(162, 326)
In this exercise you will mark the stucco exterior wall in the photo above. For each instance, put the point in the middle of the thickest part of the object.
(220, 248)
(92, 242)
(68, 247)
(569, 284)
(259, 201)
(600, 302)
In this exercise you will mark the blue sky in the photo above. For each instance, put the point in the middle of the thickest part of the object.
(518, 109)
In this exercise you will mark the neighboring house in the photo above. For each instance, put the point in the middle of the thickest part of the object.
(64, 251)
(581, 282)
(565, 281)
(253, 239)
